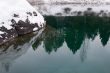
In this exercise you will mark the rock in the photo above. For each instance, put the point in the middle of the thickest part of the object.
(18, 18)
(25, 27)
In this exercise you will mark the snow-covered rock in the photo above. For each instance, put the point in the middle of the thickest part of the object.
(18, 17)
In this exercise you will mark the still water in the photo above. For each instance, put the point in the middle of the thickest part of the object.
(67, 45)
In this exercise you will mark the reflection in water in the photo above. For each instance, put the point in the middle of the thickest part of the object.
(14, 49)
(83, 49)
(76, 32)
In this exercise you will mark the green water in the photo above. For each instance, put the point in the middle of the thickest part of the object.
(67, 45)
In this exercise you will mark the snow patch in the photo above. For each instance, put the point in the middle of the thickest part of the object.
(2, 32)
(35, 29)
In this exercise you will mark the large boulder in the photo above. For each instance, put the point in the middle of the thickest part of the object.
(17, 18)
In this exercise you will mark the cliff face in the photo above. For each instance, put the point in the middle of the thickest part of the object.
(17, 18)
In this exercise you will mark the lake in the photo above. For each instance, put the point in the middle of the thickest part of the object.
(71, 44)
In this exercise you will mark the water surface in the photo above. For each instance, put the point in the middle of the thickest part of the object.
(67, 45)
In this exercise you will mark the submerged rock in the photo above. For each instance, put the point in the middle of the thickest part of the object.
(18, 18)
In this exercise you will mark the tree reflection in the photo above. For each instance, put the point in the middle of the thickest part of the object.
(104, 32)
(74, 31)
(74, 39)
(53, 40)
